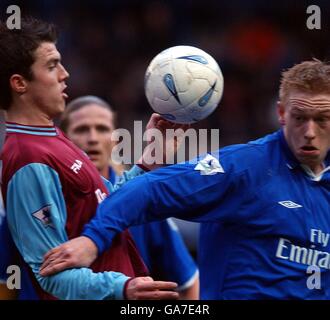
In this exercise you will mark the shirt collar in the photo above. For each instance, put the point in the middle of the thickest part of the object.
(12, 127)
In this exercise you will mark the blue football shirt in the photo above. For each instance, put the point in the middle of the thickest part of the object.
(266, 219)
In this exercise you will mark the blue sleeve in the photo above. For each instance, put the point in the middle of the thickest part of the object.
(36, 214)
(180, 191)
(163, 250)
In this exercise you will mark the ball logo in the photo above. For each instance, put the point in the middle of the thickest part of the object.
(196, 58)
(169, 83)
(206, 98)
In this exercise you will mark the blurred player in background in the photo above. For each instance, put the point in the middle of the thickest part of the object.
(264, 204)
(50, 188)
(89, 122)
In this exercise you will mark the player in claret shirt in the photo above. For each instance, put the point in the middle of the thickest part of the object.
(89, 122)
(264, 204)
(50, 187)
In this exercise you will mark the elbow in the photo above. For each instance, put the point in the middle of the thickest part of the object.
(54, 286)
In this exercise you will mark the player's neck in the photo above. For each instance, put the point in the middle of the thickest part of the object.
(27, 116)
(105, 172)
(317, 168)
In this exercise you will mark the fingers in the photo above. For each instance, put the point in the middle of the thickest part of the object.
(75, 253)
(157, 285)
(163, 124)
(53, 264)
(154, 119)
(146, 279)
(56, 260)
(54, 268)
(144, 288)
(50, 253)
(157, 295)
(157, 121)
(49, 258)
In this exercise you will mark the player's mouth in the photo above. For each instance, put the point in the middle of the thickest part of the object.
(93, 154)
(309, 150)
(64, 94)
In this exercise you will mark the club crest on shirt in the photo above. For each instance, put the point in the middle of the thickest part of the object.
(44, 216)
(209, 166)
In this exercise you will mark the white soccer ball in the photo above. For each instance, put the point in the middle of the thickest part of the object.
(184, 84)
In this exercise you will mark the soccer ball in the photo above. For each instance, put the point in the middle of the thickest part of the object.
(183, 84)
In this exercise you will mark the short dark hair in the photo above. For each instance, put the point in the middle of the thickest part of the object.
(17, 48)
(79, 103)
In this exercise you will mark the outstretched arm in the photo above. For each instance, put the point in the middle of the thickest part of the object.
(180, 191)
(36, 215)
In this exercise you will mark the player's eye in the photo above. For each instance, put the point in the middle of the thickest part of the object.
(81, 130)
(322, 120)
(103, 129)
(298, 118)
(53, 64)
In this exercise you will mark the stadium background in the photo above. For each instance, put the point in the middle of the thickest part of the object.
(107, 45)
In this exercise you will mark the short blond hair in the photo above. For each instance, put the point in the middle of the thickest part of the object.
(311, 76)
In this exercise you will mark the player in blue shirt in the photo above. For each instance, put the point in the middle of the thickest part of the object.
(89, 122)
(265, 204)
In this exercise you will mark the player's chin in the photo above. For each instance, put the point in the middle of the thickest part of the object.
(313, 155)
(59, 109)
(310, 160)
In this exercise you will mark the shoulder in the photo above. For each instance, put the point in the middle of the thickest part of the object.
(255, 155)
(25, 148)
(22, 150)
(252, 159)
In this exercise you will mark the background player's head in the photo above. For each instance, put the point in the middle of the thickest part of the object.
(31, 73)
(89, 122)
(304, 111)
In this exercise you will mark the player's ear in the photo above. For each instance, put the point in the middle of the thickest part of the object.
(280, 113)
(18, 83)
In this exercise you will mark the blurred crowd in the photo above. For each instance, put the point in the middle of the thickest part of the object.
(107, 46)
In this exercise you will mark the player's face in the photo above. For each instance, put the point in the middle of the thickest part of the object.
(306, 120)
(90, 128)
(46, 90)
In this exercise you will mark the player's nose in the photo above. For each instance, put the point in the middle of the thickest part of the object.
(93, 136)
(310, 130)
(64, 74)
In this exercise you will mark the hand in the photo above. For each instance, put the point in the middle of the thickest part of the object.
(162, 145)
(145, 288)
(78, 252)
